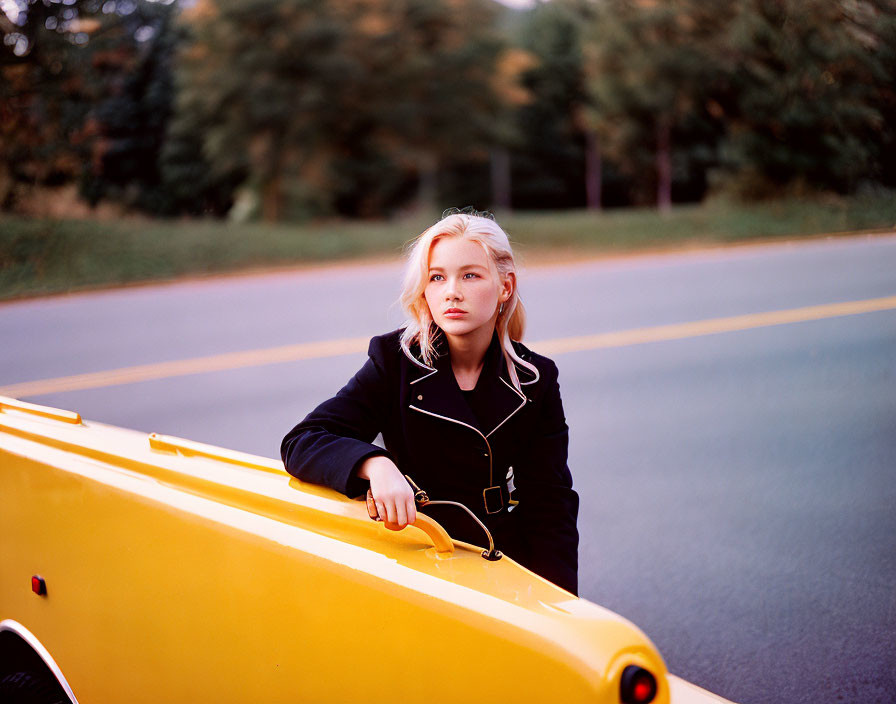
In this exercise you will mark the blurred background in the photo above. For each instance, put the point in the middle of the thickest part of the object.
(319, 111)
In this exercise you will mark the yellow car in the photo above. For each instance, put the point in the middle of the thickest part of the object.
(143, 568)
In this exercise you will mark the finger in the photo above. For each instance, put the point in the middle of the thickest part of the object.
(401, 513)
(390, 514)
(380, 509)
(411, 511)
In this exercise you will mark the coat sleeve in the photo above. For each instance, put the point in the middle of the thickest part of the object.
(548, 504)
(336, 437)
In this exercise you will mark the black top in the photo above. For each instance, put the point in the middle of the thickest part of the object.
(499, 451)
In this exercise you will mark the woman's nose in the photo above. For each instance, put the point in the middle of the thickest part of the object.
(452, 291)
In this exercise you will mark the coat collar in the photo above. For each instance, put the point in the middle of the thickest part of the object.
(434, 391)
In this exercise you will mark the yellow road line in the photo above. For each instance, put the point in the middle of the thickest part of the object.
(333, 348)
(711, 326)
(183, 367)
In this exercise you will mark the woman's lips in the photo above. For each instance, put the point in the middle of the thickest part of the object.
(455, 313)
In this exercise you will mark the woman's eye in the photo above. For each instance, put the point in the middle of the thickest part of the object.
(436, 277)
(471, 275)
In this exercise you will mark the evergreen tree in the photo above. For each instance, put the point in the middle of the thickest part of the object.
(337, 106)
(45, 94)
(549, 161)
(132, 56)
(808, 93)
(652, 67)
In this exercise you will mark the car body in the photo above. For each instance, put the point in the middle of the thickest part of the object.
(175, 571)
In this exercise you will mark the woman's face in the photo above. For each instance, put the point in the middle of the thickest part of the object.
(464, 287)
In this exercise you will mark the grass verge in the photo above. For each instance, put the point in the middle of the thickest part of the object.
(40, 257)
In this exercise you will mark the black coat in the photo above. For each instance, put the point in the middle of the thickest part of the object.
(456, 448)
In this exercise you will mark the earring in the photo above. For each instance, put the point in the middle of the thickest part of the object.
(501, 308)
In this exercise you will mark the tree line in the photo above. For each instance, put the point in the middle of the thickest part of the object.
(287, 109)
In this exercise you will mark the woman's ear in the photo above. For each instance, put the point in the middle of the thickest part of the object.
(507, 287)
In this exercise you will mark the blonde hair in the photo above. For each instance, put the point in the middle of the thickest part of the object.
(419, 327)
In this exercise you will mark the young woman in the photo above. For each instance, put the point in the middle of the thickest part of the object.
(465, 410)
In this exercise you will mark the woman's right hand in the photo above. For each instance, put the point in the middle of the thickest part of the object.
(393, 495)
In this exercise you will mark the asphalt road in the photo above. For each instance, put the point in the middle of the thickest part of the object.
(738, 498)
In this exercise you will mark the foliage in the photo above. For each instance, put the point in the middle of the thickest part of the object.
(364, 108)
(44, 94)
(349, 99)
(653, 69)
(805, 96)
(86, 99)
(548, 159)
(763, 92)
(131, 60)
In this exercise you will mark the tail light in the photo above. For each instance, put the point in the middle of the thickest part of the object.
(637, 686)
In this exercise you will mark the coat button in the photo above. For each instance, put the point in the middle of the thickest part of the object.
(420, 397)
(485, 454)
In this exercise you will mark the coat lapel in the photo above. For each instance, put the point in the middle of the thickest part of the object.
(494, 402)
(437, 394)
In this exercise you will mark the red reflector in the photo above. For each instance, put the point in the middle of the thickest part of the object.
(643, 691)
(38, 586)
(637, 686)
